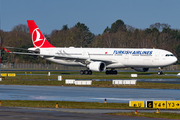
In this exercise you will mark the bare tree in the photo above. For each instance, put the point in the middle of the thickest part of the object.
(21, 28)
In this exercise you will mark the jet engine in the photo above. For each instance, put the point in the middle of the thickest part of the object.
(97, 66)
(141, 69)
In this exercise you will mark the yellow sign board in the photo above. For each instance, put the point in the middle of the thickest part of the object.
(11, 74)
(156, 104)
(4, 74)
(136, 103)
(159, 104)
(173, 104)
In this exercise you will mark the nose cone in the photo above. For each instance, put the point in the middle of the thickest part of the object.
(171, 60)
(175, 59)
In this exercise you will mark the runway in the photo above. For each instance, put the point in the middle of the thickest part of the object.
(170, 81)
(85, 94)
(16, 113)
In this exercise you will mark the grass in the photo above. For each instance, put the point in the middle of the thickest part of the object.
(75, 75)
(150, 115)
(43, 79)
(52, 81)
(63, 104)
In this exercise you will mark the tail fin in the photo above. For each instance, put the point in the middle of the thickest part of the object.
(38, 39)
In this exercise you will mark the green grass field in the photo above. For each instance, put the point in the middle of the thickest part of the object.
(63, 104)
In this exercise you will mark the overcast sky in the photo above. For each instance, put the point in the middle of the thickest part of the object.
(95, 14)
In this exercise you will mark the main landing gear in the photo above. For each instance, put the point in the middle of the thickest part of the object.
(111, 72)
(160, 72)
(86, 72)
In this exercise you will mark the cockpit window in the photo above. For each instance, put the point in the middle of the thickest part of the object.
(169, 55)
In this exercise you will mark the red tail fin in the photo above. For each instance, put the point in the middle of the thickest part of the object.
(38, 39)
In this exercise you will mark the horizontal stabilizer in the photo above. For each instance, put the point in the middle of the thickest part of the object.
(6, 50)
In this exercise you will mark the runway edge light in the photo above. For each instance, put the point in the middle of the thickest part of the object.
(105, 101)
(157, 111)
(135, 111)
(57, 106)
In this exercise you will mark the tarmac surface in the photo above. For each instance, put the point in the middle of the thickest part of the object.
(17, 113)
(85, 94)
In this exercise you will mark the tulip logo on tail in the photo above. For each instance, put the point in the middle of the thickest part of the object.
(38, 39)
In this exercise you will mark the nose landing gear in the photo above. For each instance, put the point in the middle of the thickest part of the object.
(160, 72)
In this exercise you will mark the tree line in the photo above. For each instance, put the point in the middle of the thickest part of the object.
(119, 35)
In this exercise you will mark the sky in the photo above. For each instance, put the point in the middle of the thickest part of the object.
(51, 15)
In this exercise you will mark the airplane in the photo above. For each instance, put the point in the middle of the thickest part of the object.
(97, 59)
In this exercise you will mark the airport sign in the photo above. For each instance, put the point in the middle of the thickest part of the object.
(136, 104)
(173, 104)
(163, 104)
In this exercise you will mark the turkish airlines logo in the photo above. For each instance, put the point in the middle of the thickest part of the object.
(38, 38)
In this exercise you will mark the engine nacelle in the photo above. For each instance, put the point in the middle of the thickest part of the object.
(97, 66)
(141, 69)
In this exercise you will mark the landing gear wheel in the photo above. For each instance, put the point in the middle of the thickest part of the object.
(160, 72)
(82, 72)
(107, 72)
(86, 72)
(113, 72)
(90, 72)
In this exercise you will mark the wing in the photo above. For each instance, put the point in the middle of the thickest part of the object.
(64, 57)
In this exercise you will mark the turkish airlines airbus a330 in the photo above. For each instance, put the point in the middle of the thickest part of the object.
(97, 59)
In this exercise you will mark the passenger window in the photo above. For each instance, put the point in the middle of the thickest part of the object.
(169, 55)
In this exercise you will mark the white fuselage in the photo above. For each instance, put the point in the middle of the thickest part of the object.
(119, 57)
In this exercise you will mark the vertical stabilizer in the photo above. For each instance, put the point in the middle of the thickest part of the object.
(38, 38)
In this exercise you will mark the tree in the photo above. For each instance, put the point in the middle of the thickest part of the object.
(118, 25)
(155, 30)
(159, 26)
(107, 30)
(166, 30)
(147, 31)
(21, 28)
(65, 27)
(130, 28)
(178, 52)
(87, 35)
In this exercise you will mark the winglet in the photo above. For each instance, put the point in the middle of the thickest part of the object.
(6, 50)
